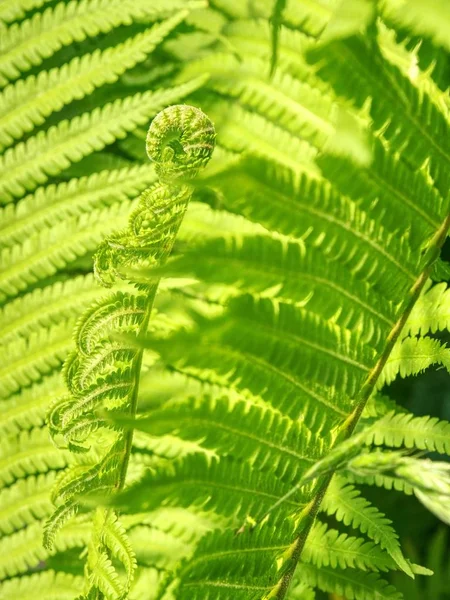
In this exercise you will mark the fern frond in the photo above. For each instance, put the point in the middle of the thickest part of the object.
(380, 480)
(310, 209)
(392, 188)
(30, 359)
(29, 453)
(329, 548)
(290, 270)
(432, 21)
(109, 541)
(214, 569)
(232, 489)
(31, 163)
(203, 221)
(59, 518)
(430, 480)
(397, 430)
(103, 372)
(421, 129)
(347, 505)
(166, 536)
(351, 584)
(49, 585)
(382, 178)
(412, 356)
(25, 501)
(20, 112)
(243, 348)
(149, 451)
(25, 45)
(26, 263)
(242, 374)
(247, 131)
(47, 306)
(114, 536)
(418, 59)
(223, 426)
(431, 312)
(55, 203)
(27, 409)
(118, 312)
(252, 37)
(269, 351)
(424, 474)
(290, 103)
(103, 575)
(23, 550)
(12, 10)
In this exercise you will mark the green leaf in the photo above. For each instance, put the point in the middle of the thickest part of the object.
(397, 430)
(432, 20)
(412, 356)
(348, 506)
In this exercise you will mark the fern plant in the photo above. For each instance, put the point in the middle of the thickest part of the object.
(226, 460)
(104, 372)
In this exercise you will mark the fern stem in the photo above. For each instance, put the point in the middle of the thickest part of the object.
(366, 391)
(431, 256)
(134, 399)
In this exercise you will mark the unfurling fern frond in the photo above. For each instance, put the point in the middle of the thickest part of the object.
(103, 373)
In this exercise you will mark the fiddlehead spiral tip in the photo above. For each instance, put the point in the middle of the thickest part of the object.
(180, 141)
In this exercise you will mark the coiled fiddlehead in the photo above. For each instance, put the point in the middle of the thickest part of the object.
(102, 374)
(180, 141)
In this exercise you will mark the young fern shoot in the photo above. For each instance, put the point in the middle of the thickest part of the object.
(102, 374)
